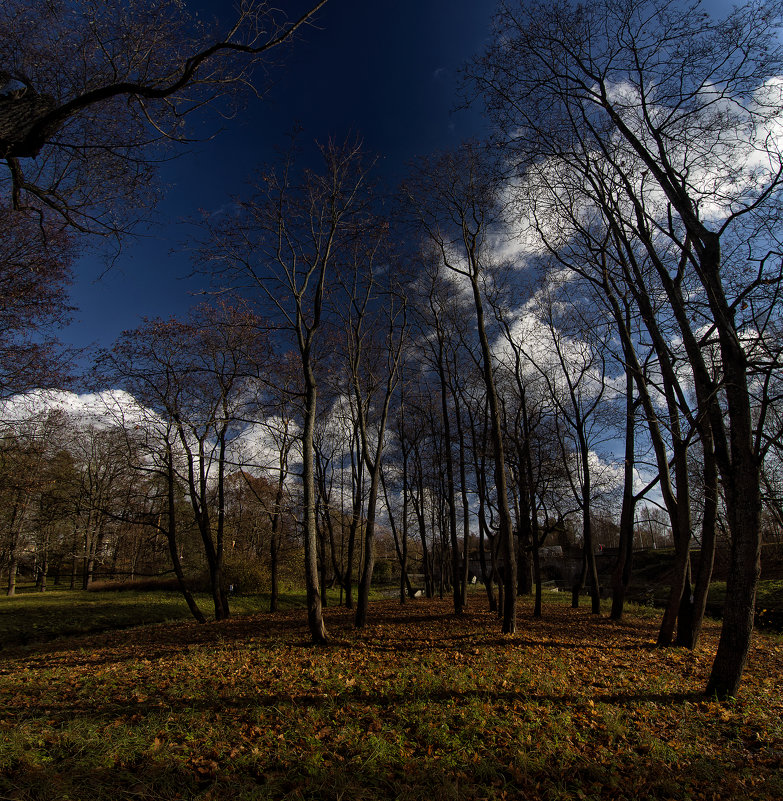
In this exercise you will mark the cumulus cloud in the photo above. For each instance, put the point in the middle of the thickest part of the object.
(101, 409)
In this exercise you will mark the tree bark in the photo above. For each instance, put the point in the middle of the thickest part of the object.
(315, 620)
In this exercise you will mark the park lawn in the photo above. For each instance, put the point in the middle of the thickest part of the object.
(31, 617)
(419, 705)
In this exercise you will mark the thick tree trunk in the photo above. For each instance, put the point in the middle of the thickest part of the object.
(742, 488)
(739, 610)
(743, 506)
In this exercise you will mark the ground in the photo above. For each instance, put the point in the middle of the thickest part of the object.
(420, 705)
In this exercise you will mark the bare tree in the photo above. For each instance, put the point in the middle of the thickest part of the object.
(27, 446)
(455, 203)
(681, 112)
(283, 246)
(439, 316)
(92, 93)
(197, 376)
(375, 323)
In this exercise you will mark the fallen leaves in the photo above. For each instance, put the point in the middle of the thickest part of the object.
(572, 704)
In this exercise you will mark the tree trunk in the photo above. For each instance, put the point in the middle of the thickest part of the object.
(739, 610)
(506, 527)
(486, 575)
(13, 566)
(274, 592)
(356, 511)
(450, 493)
(537, 610)
(579, 583)
(171, 540)
(463, 483)
(707, 554)
(314, 613)
(405, 583)
(621, 575)
(679, 594)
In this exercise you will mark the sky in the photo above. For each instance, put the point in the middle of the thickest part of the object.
(385, 70)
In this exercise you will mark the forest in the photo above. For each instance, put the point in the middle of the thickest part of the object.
(558, 344)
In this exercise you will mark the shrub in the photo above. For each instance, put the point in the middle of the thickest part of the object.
(147, 584)
(246, 574)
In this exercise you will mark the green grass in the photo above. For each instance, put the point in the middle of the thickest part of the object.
(769, 594)
(421, 705)
(34, 617)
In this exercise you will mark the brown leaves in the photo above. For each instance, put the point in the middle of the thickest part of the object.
(571, 703)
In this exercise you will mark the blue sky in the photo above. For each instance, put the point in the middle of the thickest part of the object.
(383, 69)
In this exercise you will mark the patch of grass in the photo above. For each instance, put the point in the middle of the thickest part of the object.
(419, 705)
(32, 617)
(35, 617)
(769, 593)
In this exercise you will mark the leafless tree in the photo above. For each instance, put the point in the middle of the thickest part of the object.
(454, 200)
(680, 111)
(93, 92)
(197, 377)
(283, 246)
(375, 329)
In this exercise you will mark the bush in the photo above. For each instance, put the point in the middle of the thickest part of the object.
(246, 574)
(148, 584)
(382, 572)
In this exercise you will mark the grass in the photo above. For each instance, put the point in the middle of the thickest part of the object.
(419, 705)
(35, 617)
(769, 594)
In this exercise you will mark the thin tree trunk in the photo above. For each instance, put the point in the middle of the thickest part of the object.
(621, 575)
(506, 527)
(450, 486)
(13, 566)
(707, 554)
(463, 579)
(274, 593)
(171, 539)
(314, 612)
